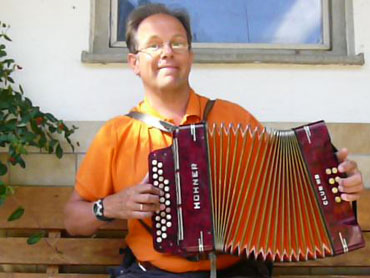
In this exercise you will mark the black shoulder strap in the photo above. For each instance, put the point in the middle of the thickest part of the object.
(208, 109)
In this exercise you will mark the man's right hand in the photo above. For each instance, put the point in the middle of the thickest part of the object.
(139, 201)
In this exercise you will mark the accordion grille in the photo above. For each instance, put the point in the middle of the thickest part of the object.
(262, 198)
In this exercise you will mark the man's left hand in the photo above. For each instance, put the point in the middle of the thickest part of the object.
(353, 184)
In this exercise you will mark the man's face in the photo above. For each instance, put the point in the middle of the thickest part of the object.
(168, 68)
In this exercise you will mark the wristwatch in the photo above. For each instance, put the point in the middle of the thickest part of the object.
(98, 209)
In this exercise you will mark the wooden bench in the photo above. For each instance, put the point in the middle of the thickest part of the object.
(58, 255)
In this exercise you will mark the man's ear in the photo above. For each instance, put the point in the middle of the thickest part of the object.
(133, 61)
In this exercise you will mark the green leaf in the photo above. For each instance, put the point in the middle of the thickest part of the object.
(35, 238)
(16, 214)
(59, 151)
(2, 200)
(3, 169)
(2, 189)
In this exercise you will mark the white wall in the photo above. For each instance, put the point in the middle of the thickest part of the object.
(49, 35)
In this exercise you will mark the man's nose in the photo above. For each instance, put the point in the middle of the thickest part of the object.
(167, 50)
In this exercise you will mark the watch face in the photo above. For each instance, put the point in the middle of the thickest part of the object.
(98, 208)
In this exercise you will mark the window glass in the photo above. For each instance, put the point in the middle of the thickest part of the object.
(283, 22)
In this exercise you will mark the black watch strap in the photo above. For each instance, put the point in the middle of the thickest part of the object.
(98, 209)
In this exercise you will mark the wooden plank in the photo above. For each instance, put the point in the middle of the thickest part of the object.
(62, 251)
(43, 209)
(44, 275)
(358, 257)
(364, 210)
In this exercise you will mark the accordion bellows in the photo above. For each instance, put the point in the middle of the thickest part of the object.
(267, 194)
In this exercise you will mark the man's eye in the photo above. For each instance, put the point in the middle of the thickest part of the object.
(153, 46)
(178, 44)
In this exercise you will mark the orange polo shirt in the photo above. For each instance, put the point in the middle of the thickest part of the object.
(118, 159)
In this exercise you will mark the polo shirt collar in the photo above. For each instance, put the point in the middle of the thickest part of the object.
(192, 114)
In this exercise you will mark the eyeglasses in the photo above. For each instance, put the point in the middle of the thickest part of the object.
(156, 49)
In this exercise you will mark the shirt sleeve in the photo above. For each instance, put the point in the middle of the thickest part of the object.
(94, 177)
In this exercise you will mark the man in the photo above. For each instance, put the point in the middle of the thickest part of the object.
(113, 176)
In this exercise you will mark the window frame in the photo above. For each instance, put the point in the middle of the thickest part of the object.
(341, 50)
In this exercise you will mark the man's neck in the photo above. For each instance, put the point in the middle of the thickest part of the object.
(170, 104)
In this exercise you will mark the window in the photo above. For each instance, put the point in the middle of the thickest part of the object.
(269, 31)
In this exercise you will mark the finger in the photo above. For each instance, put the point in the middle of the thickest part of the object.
(350, 197)
(149, 207)
(348, 167)
(351, 183)
(342, 154)
(147, 188)
(147, 199)
(145, 179)
(141, 214)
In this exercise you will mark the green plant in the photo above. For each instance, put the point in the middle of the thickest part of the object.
(22, 124)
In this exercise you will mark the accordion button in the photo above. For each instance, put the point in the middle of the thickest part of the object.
(167, 188)
(169, 224)
(160, 164)
(168, 203)
(155, 176)
(334, 190)
(161, 185)
(337, 179)
(159, 232)
(166, 181)
(159, 239)
(331, 181)
(164, 235)
(161, 200)
(168, 210)
(154, 162)
(334, 170)
(158, 225)
(164, 228)
(155, 183)
(161, 179)
(163, 214)
(160, 172)
(328, 171)
(154, 169)
(168, 216)
(167, 195)
(157, 218)
(338, 199)
(163, 221)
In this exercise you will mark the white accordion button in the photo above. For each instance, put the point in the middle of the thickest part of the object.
(334, 170)
(168, 216)
(154, 169)
(154, 162)
(166, 182)
(164, 235)
(161, 179)
(164, 228)
(159, 232)
(328, 171)
(159, 239)
(160, 172)
(167, 188)
(169, 224)
(168, 210)
(160, 164)
(168, 203)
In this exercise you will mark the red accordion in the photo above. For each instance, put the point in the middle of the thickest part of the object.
(267, 194)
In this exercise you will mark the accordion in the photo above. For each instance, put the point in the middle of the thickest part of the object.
(267, 194)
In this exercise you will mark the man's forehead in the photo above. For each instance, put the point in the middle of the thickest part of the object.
(157, 24)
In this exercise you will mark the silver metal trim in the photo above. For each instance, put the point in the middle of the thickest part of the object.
(180, 230)
(200, 242)
(308, 133)
(193, 132)
(344, 243)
